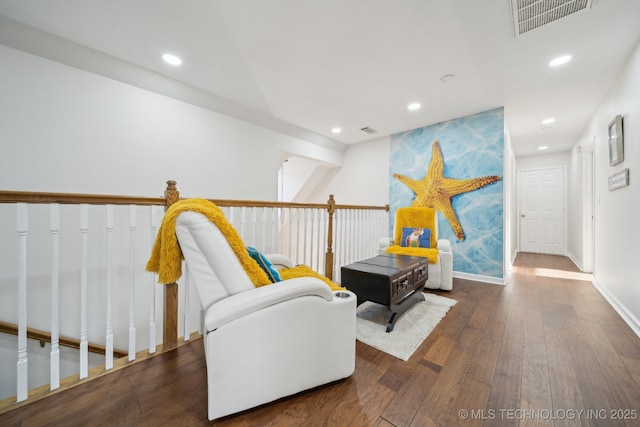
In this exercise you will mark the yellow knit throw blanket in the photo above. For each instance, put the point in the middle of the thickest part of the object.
(166, 255)
(415, 217)
(304, 271)
(430, 253)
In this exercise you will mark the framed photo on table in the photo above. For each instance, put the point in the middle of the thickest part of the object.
(616, 142)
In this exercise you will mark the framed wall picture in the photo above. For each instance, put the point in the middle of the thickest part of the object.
(616, 142)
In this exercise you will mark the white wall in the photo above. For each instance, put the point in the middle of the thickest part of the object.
(580, 245)
(67, 130)
(364, 177)
(616, 212)
(541, 161)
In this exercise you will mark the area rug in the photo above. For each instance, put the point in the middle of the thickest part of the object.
(410, 329)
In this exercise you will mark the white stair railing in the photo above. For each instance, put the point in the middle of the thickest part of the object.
(106, 265)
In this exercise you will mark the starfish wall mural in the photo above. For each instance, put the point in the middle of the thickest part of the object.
(435, 190)
(456, 167)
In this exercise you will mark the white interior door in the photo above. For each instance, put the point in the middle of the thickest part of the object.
(542, 211)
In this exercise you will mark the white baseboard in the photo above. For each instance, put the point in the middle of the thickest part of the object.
(575, 261)
(480, 278)
(626, 315)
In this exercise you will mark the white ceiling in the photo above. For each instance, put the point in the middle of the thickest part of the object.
(311, 65)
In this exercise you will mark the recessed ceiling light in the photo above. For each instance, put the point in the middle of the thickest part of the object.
(414, 106)
(560, 60)
(336, 130)
(172, 59)
(548, 121)
(543, 147)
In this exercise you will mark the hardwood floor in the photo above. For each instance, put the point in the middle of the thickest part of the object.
(546, 349)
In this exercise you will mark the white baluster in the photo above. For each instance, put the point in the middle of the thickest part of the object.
(132, 276)
(353, 224)
(323, 244)
(254, 220)
(355, 229)
(320, 243)
(356, 244)
(361, 231)
(314, 237)
(294, 227)
(153, 220)
(370, 231)
(348, 223)
(305, 227)
(265, 242)
(54, 227)
(270, 236)
(364, 250)
(242, 213)
(351, 235)
(343, 239)
(281, 231)
(337, 235)
(22, 364)
(108, 355)
(290, 230)
(84, 341)
(187, 332)
(322, 239)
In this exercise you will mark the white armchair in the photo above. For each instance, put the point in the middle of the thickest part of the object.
(263, 343)
(439, 254)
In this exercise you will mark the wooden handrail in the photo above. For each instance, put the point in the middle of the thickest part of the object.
(44, 336)
(72, 198)
(106, 199)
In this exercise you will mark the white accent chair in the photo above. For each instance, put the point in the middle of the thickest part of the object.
(440, 273)
(264, 343)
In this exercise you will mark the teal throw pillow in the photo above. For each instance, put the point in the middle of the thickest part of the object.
(264, 263)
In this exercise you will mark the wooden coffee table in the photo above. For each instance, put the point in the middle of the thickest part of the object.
(396, 281)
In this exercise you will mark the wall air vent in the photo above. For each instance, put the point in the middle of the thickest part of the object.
(531, 14)
(369, 130)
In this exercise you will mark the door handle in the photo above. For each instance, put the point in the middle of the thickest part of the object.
(522, 215)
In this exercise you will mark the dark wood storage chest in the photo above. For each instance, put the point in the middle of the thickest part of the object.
(396, 281)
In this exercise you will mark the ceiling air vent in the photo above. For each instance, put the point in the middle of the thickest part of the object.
(531, 14)
(369, 130)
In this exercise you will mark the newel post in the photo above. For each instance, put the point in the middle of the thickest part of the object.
(170, 325)
(328, 265)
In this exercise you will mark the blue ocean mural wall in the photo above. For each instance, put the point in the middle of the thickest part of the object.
(472, 150)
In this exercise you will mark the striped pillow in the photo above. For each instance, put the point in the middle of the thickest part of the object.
(264, 263)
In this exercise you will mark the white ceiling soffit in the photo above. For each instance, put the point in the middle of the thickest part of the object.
(531, 14)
